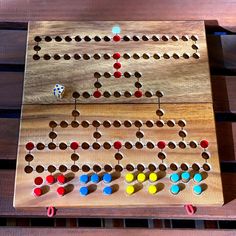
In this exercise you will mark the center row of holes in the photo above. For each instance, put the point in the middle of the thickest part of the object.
(119, 168)
(109, 38)
(135, 56)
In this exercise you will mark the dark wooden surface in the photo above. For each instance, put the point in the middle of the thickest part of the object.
(219, 16)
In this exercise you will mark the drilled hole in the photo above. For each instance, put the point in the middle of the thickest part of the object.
(206, 155)
(106, 39)
(150, 145)
(86, 95)
(107, 75)
(185, 37)
(97, 168)
(182, 144)
(194, 37)
(183, 133)
(196, 55)
(138, 145)
(48, 39)
(127, 94)
(108, 168)
(182, 123)
(67, 57)
(165, 37)
(46, 57)
(37, 38)
(126, 38)
(148, 94)
(161, 155)
(160, 123)
(63, 146)
(195, 167)
(175, 38)
(136, 38)
(162, 167)
(195, 47)
(145, 38)
(96, 123)
(106, 94)
(51, 168)
(127, 74)
(128, 145)
(184, 166)
(74, 157)
(58, 39)
(129, 167)
(85, 168)
(74, 168)
(97, 56)
(107, 145)
(62, 168)
(176, 56)
(74, 124)
(117, 123)
(97, 135)
(87, 38)
(77, 56)
(172, 145)
(117, 94)
(139, 134)
(52, 135)
(86, 56)
(152, 167)
(36, 57)
(126, 56)
(118, 168)
(118, 156)
(155, 38)
(57, 57)
(173, 167)
(171, 123)
(97, 39)
(146, 56)
(75, 113)
(64, 124)
(166, 56)
(137, 74)
(68, 39)
(206, 167)
(136, 56)
(78, 38)
(186, 56)
(156, 56)
(140, 167)
(40, 146)
(160, 112)
(29, 157)
(193, 144)
(52, 146)
(106, 56)
(39, 169)
(85, 145)
(127, 123)
(107, 124)
(37, 48)
(28, 169)
(96, 146)
(138, 123)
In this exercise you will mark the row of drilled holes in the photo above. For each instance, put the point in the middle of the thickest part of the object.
(109, 38)
(126, 56)
(117, 123)
(119, 168)
(127, 145)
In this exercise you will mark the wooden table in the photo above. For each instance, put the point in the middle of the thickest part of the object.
(220, 24)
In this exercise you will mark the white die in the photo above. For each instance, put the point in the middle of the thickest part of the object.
(58, 90)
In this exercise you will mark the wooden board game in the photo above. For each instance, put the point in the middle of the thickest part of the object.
(114, 118)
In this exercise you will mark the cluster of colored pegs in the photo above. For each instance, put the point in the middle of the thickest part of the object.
(84, 190)
(141, 177)
(95, 178)
(185, 177)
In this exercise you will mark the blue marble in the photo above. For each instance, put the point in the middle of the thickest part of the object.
(84, 179)
(185, 176)
(174, 177)
(107, 178)
(197, 177)
(94, 178)
(107, 190)
(197, 189)
(175, 189)
(84, 191)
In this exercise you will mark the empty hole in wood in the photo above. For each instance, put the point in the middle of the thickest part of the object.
(129, 167)
(185, 37)
(108, 168)
(140, 167)
(145, 38)
(87, 38)
(172, 145)
(74, 124)
(162, 167)
(86, 94)
(64, 124)
(139, 134)
(29, 157)
(85, 124)
(195, 47)
(37, 39)
(36, 57)
(160, 123)
(165, 37)
(186, 56)
(52, 135)
(119, 168)
(97, 56)
(149, 123)
(107, 75)
(51, 169)
(183, 133)
(126, 38)
(75, 113)
(194, 37)
(166, 56)
(86, 56)
(150, 145)
(117, 123)
(46, 57)
(97, 75)
(106, 38)
(127, 123)
(155, 38)
(78, 38)
(173, 167)
(74, 168)
(97, 39)
(137, 74)
(161, 155)
(106, 123)
(77, 56)
(152, 167)
(63, 146)
(106, 56)
(37, 48)
(118, 156)
(128, 145)
(139, 145)
(156, 56)
(40, 146)
(195, 167)
(182, 144)
(136, 38)
(170, 123)
(184, 166)
(48, 39)
(58, 39)
(196, 55)
(53, 124)
(106, 94)
(97, 84)
(146, 56)
(136, 56)
(193, 144)
(39, 169)
(138, 123)
(117, 94)
(127, 94)
(66, 57)
(97, 168)
(52, 146)
(206, 155)
(28, 169)
(85, 168)
(96, 146)
(175, 38)
(97, 135)
(127, 74)
(56, 57)
(74, 157)
(96, 123)
(148, 94)
(62, 168)
(159, 93)
(182, 123)
(68, 39)
(137, 84)
(206, 167)
(85, 145)
(176, 56)
(160, 112)
(107, 145)
(126, 56)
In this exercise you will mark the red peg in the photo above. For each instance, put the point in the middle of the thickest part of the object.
(161, 144)
(97, 94)
(117, 145)
(61, 179)
(204, 144)
(29, 146)
(116, 38)
(117, 74)
(61, 191)
(38, 192)
(117, 65)
(50, 179)
(116, 55)
(38, 180)
(138, 94)
(74, 145)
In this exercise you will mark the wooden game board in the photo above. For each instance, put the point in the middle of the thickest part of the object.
(156, 118)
